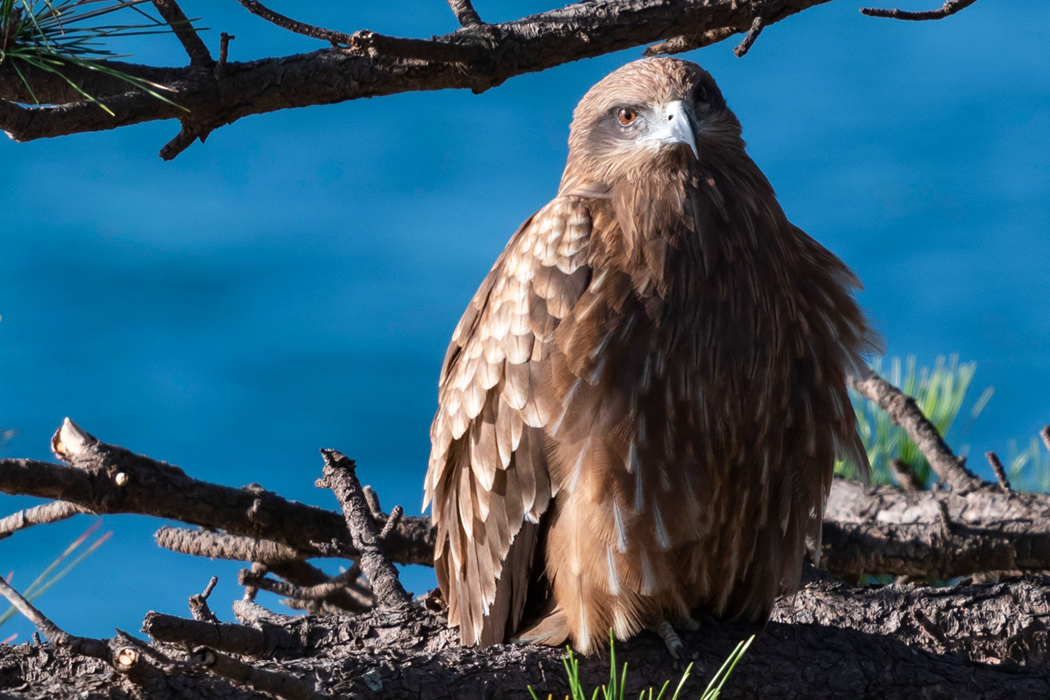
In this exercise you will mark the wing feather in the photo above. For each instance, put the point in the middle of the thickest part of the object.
(489, 478)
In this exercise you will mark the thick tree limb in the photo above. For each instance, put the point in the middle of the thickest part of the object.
(106, 479)
(883, 530)
(877, 530)
(478, 57)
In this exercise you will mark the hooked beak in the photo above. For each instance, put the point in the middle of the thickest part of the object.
(675, 127)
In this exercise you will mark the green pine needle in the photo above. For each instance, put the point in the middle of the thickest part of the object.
(52, 35)
(46, 580)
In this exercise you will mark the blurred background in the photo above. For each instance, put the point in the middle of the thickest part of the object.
(292, 284)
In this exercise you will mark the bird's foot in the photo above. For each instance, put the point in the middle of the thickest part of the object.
(670, 637)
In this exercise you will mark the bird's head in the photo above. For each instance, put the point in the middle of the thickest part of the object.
(647, 116)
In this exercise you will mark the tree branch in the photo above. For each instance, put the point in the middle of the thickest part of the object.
(465, 12)
(183, 28)
(949, 8)
(883, 530)
(903, 411)
(105, 479)
(477, 57)
(38, 515)
(895, 639)
(340, 475)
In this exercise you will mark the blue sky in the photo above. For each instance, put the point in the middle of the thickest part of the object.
(292, 283)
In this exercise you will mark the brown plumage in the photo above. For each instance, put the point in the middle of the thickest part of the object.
(640, 409)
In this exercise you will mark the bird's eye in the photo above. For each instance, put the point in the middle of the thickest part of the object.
(626, 115)
(700, 95)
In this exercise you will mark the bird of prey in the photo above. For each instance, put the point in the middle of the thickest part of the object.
(640, 410)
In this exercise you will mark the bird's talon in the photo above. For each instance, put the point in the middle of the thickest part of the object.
(670, 637)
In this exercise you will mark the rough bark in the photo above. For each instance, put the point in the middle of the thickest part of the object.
(106, 479)
(477, 56)
(831, 641)
(868, 530)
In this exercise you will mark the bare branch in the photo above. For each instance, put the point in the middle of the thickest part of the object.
(752, 36)
(369, 43)
(338, 588)
(234, 638)
(80, 645)
(949, 8)
(284, 22)
(903, 411)
(38, 515)
(224, 52)
(340, 476)
(183, 140)
(199, 603)
(221, 545)
(170, 11)
(106, 478)
(465, 12)
(477, 57)
(930, 535)
(999, 470)
(278, 559)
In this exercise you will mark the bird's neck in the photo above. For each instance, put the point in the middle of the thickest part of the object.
(689, 222)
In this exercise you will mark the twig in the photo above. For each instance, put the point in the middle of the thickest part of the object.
(38, 515)
(340, 476)
(689, 42)
(183, 28)
(903, 411)
(277, 683)
(199, 603)
(183, 140)
(752, 36)
(79, 645)
(949, 8)
(465, 12)
(336, 588)
(905, 475)
(224, 52)
(372, 498)
(947, 526)
(369, 43)
(258, 9)
(1000, 471)
(391, 523)
(279, 559)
